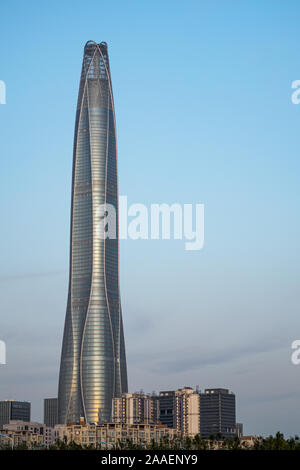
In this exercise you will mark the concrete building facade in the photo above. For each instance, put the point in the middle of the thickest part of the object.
(108, 435)
(30, 433)
(133, 408)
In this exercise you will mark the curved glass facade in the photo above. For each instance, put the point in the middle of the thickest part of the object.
(93, 363)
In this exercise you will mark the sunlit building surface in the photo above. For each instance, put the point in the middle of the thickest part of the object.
(132, 408)
(109, 435)
(93, 363)
(187, 411)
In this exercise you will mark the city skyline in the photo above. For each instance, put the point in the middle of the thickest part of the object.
(204, 115)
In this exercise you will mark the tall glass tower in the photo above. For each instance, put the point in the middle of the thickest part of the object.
(93, 362)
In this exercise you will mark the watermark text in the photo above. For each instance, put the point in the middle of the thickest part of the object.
(159, 221)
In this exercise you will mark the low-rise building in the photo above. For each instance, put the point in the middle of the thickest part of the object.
(13, 439)
(26, 431)
(109, 435)
(249, 441)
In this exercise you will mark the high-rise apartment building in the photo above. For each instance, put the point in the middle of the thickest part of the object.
(167, 408)
(187, 412)
(217, 413)
(180, 409)
(190, 412)
(133, 408)
(93, 363)
(14, 410)
(50, 412)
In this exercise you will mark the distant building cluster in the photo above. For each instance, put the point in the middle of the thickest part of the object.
(108, 435)
(188, 411)
(139, 417)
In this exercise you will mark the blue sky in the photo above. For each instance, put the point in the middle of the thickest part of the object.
(204, 115)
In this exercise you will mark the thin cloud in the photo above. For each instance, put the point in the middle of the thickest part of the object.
(197, 359)
(271, 398)
(17, 277)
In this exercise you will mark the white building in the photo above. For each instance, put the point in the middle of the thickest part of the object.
(133, 408)
(108, 435)
(31, 427)
(187, 412)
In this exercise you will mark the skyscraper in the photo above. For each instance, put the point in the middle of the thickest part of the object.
(217, 413)
(14, 410)
(93, 362)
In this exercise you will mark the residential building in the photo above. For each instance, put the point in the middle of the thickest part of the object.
(187, 412)
(13, 439)
(167, 408)
(108, 435)
(249, 441)
(133, 408)
(27, 432)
